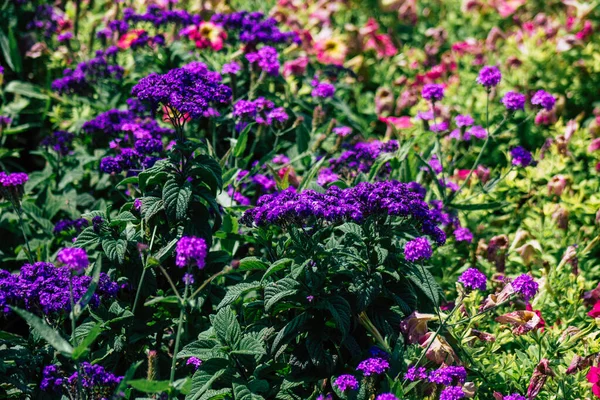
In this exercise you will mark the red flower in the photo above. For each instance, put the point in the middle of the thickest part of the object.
(593, 376)
(595, 311)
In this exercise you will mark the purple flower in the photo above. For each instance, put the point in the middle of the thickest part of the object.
(345, 382)
(267, 60)
(543, 99)
(489, 76)
(472, 278)
(386, 396)
(59, 141)
(435, 164)
(74, 258)
(65, 37)
(194, 361)
(13, 180)
(373, 366)
(525, 286)
(521, 157)
(514, 101)
(424, 115)
(439, 127)
(464, 120)
(342, 131)
(478, 131)
(452, 393)
(322, 90)
(254, 28)
(97, 223)
(415, 373)
(326, 175)
(448, 375)
(463, 235)
(231, 68)
(96, 381)
(188, 279)
(514, 396)
(417, 249)
(433, 92)
(190, 250)
(5, 120)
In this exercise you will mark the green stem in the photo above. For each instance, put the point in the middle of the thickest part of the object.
(178, 336)
(20, 215)
(73, 338)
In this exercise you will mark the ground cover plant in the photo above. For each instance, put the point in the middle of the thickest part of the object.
(393, 199)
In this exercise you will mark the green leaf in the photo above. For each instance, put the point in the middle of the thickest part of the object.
(128, 375)
(311, 174)
(203, 349)
(177, 198)
(423, 279)
(87, 238)
(146, 386)
(209, 171)
(82, 349)
(227, 327)
(234, 292)
(45, 331)
(151, 206)
(10, 50)
(252, 264)
(341, 312)
(250, 346)
(241, 392)
(292, 329)
(276, 291)
(26, 89)
(115, 249)
(242, 141)
(277, 266)
(205, 376)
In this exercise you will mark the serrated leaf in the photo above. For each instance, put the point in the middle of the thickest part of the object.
(151, 206)
(227, 327)
(241, 392)
(252, 264)
(45, 331)
(250, 346)
(276, 291)
(209, 372)
(234, 292)
(341, 312)
(83, 347)
(87, 238)
(146, 386)
(291, 329)
(115, 249)
(202, 349)
(242, 141)
(89, 293)
(177, 197)
(276, 266)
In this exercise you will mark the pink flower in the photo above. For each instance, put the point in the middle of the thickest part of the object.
(594, 146)
(206, 35)
(295, 67)
(398, 122)
(128, 38)
(508, 7)
(595, 311)
(593, 376)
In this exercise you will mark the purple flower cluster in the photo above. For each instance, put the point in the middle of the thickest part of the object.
(373, 366)
(448, 375)
(415, 373)
(360, 158)
(433, 92)
(261, 111)
(489, 76)
(4, 121)
(386, 396)
(45, 19)
(322, 90)
(266, 59)
(43, 288)
(96, 380)
(525, 286)
(452, 393)
(59, 141)
(183, 90)
(342, 131)
(190, 250)
(194, 361)
(157, 16)
(74, 258)
(418, 249)
(514, 101)
(254, 28)
(86, 74)
(380, 200)
(66, 225)
(463, 235)
(11, 186)
(472, 278)
(464, 120)
(231, 68)
(521, 157)
(514, 396)
(543, 99)
(345, 382)
(477, 131)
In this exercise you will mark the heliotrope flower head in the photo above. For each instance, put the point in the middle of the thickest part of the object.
(190, 250)
(433, 92)
(521, 157)
(185, 90)
(418, 249)
(472, 278)
(95, 381)
(489, 76)
(452, 393)
(415, 373)
(59, 141)
(463, 235)
(231, 68)
(543, 99)
(514, 101)
(346, 382)
(267, 60)
(66, 224)
(525, 286)
(373, 366)
(254, 28)
(74, 258)
(12, 186)
(194, 361)
(448, 375)
(386, 396)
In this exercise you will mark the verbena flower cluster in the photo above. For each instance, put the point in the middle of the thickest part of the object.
(74, 258)
(489, 76)
(525, 286)
(43, 288)
(380, 200)
(190, 250)
(266, 59)
(472, 278)
(346, 382)
(373, 366)
(418, 249)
